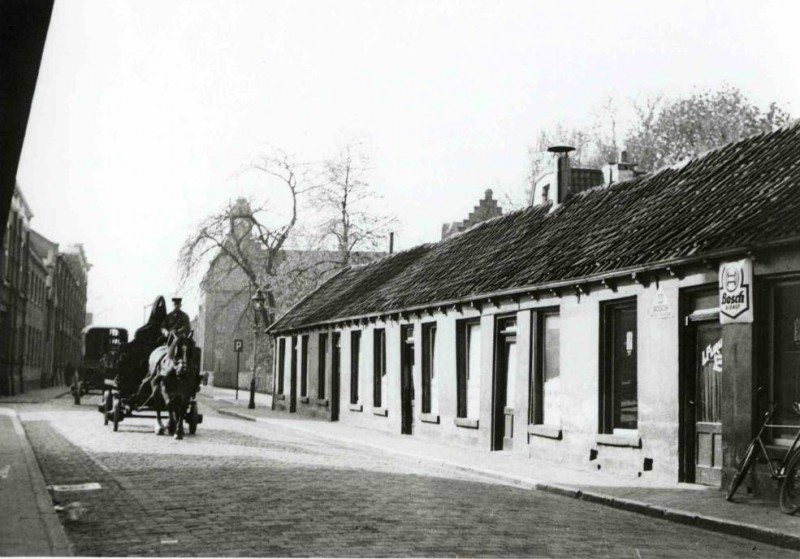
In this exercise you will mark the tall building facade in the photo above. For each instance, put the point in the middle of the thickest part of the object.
(42, 305)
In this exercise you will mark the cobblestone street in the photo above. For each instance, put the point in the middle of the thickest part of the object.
(241, 489)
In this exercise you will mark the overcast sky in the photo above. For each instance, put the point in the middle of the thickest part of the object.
(145, 112)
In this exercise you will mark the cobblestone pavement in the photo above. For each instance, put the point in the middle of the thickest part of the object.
(241, 489)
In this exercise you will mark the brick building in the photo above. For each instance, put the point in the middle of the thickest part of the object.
(226, 309)
(13, 295)
(487, 208)
(630, 327)
(42, 305)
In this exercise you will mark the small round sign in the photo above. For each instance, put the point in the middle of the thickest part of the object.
(732, 278)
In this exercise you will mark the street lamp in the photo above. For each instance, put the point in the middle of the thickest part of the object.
(258, 304)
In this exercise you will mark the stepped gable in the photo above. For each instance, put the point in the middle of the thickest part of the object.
(740, 196)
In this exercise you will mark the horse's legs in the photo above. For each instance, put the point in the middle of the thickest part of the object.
(160, 426)
(179, 409)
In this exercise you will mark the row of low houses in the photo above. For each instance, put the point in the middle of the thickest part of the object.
(638, 326)
(42, 305)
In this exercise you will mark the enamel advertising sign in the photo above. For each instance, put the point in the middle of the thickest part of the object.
(736, 292)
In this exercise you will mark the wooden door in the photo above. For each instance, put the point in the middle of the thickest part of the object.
(704, 403)
(504, 385)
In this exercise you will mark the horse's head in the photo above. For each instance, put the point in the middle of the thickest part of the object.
(179, 355)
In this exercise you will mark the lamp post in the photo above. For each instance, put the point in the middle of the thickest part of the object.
(258, 304)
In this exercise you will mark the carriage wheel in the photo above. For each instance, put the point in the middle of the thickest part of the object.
(193, 418)
(107, 403)
(116, 413)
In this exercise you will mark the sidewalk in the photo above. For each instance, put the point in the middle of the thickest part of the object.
(682, 503)
(30, 525)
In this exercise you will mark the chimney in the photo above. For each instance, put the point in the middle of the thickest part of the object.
(391, 242)
(562, 173)
(620, 170)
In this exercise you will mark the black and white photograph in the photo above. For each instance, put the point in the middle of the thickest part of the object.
(422, 278)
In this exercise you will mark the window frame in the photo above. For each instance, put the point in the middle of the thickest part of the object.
(536, 376)
(767, 315)
(281, 364)
(462, 364)
(322, 352)
(428, 366)
(378, 365)
(355, 365)
(607, 410)
(304, 366)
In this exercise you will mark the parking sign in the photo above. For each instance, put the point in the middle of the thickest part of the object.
(238, 345)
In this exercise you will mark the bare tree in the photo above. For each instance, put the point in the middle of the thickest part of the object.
(347, 203)
(244, 238)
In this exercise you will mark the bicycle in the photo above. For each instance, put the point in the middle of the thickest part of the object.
(788, 470)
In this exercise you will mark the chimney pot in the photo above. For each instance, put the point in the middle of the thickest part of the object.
(562, 173)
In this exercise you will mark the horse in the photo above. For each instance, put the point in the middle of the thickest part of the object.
(174, 382)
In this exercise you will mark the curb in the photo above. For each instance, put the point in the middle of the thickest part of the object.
(56, 536)
(237, 415)
(710, 523)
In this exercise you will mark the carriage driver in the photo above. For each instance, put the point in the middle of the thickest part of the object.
(177, 321)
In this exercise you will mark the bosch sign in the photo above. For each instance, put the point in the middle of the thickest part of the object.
(736, 291)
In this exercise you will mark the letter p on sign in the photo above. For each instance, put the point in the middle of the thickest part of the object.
(238, 345)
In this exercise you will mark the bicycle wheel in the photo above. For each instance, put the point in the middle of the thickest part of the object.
(737, 480)
(790, 488)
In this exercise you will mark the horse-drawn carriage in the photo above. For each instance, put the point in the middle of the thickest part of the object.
(101, 347)
(153, 374)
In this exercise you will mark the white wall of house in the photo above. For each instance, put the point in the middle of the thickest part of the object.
(579, 445)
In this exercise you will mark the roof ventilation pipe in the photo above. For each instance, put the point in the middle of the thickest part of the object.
(562, 172)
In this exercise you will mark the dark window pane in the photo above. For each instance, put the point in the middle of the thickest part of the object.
(355, 352)
(786, 373)
(304, 366)
(623, 372)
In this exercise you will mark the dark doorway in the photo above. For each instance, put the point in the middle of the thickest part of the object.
(504, 384)
(293, 378)
(407, 379)
(701, 375)
(336, 359)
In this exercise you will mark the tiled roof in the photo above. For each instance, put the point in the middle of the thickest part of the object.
(743, 195)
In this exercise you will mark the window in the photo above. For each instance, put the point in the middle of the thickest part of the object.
(281, 363)
(428, 367)
(545, 406)
(468, 348)
(379, 366)
(784, 339)
(304, 366)
(355, 351)
(323, 353)
(619, 400)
